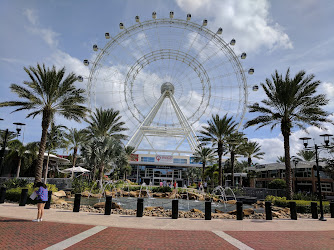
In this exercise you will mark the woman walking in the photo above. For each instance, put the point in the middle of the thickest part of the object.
(42, 198)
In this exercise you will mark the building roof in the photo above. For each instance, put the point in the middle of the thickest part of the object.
(281, 165)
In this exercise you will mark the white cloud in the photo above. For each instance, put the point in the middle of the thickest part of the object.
(248, 21)
(48, 35)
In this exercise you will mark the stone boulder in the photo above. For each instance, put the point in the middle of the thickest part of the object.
(218, 211)
(231, 202)
(133, 194)
(96, 195)
(85, 194)
(60, 202)
(60, 193)
(114, 205)
(54, 198)
(248, 211)
(159, 195)
(173, 194)
(195, 210)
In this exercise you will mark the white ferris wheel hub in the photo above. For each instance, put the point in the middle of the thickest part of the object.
(167, 86)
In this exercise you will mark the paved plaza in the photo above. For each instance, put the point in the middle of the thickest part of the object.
(64, 229)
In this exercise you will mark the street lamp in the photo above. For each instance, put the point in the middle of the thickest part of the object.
(316, 147)
(2, 152)
(295, 161)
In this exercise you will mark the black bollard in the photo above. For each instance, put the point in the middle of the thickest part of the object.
(107, 206)
(140, 207)
(269, 215)
(2, 194)
(293, 210)
(76, 207)
(331, 208)
(240, 213)
(24, 197)
(175, 209)
(48, 203)
(208, 210)
(314, 210)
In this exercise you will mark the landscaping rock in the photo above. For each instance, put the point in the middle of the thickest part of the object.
(231, 202)
(248, 211)
(60, 193)
(85, 194)
(195, 210)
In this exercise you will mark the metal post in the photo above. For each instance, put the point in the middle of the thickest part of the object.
(268, 210)
(208, 210)
(319, 185)
(240, 210)
(76, 207)
(140, 207)
(175, 209)
(24, 196)
(2, 156)
(293, 210)
(107, 206)
(48, 203)
(314, 210)
(331, 207)
(2, 195)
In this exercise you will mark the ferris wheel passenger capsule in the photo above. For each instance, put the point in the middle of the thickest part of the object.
(188, 17)
(86, 62)
(256, 104)
(121, 26)
(95, 48)
(251, 71)
(232, 42)
(205, 22)
(154, 15)
(171, 14)
(243, 55)
(107, 35)
(80, 78)
(255, 88)
(137, 19)
(219, 31)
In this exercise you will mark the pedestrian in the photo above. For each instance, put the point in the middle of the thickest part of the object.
(42, 198)
(160, 183)
(174, 184)
(205, 186)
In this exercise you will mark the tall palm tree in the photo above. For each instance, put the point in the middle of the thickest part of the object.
(204, 155)
(106, 122)
(306, 155)
(48, 93)
(290, 102)
(216, 132)
(252, 149)
(235, 145)
(54, 141)
(74, 139)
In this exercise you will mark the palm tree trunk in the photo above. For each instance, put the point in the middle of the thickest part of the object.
(249, 160)
(101, 173)
(232, 165)
(47, 167)
(45, 125)
(94, 171)
(203, 170)
(18, 168)
(74, 160)
(220, 153)
(289, 192)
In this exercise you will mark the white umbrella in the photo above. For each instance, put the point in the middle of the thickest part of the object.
(74, 170)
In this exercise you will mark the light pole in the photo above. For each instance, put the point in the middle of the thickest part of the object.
(2, 152)
(316, 147)
(295, 161)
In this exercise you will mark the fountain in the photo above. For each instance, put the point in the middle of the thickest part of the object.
(222, 194)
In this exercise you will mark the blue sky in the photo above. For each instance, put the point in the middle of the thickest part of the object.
(275, 34)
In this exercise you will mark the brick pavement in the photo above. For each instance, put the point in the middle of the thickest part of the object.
(124, 238)
(24, 234)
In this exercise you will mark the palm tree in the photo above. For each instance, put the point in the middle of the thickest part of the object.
(74, 138)
(106, 122)
(252, 149)
(280, 159)
(235, 144)
(204, 155)
(54, 141)
(212, 172)
(290, 102)
(306, 155)
(216, 131)
(48, 93)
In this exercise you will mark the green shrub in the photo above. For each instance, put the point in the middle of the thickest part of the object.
(14, 183)
(303, 206)
(161, 189)
(304, 196)
(80, 185)
(277, 184)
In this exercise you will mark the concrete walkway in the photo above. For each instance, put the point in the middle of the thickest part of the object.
(29, 212)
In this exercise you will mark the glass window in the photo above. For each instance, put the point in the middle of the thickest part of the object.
(147, 159)
(180, 161)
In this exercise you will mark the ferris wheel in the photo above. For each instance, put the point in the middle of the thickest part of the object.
(167, 76)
